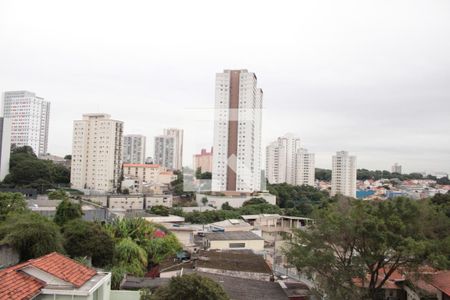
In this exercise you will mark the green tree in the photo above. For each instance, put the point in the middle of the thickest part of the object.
(159, 249)
(10, 203)
(204, 201)
(254, 201)
(160, 210)
(190, 287)
(67, 211)
(82, 238)
(58, 195)
(32, 235)
(131, 257)
(360, 241)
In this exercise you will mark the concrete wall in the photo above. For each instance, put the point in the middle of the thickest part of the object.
(125, 295)
(8, 256)
(255, 245)
(234, 201)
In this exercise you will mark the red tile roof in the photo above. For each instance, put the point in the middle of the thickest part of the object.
(64, 268)
(16, 284)
(441, 281)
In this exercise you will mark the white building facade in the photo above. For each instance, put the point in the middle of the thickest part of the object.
(5, 146)
(343, 177)
(237, 132)
(96, 153)
(29, 117)
(134, 149)
(287, 162)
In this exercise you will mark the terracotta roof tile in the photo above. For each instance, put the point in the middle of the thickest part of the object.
(64, 268)
(441, 281)
(15, 284)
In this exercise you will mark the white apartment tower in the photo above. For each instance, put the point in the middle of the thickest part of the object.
(396, 168)
(237, 132)
(177, 135)
(343, 177)
(5, 146)
(134, 149)
(96, 153)
(305, 171)
(29, 117)
(287, 162)
(169, 149)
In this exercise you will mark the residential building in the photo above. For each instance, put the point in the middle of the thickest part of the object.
(134, 149)
(149, 174)
(234, 240)
(237, 132)
(305, 170)
(66, 162)
(29, 116)
(97, 153)
(343, 177)
(5, 146)
(169, 149)
(396, 168)
(203, 160)
(287, 162)
(54, 276)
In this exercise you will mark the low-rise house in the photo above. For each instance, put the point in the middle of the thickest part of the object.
(230, 225)
(240, 264)
(54, 276)
(234, 240)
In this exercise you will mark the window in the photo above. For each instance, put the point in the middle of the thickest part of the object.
(236, 245)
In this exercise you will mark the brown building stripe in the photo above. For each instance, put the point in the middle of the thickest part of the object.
(233, 130)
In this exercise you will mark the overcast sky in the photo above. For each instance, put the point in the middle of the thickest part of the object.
(369, 77)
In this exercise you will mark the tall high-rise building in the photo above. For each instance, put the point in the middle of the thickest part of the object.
(134, 149)
(177, 135)
(343, 176)
(287, 162)
(237, 132)
(5, 146)
(203, 160)
(164, 151)
(96, 153)
(29, 115)
(396, 168)
(305, 171)
(169, 149)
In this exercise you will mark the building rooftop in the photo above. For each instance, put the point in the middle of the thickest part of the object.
(232, 236)
(26, 280)
(230, 260)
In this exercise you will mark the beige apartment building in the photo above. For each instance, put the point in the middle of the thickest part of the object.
(203, 160)
(96, 153)
(153, 174)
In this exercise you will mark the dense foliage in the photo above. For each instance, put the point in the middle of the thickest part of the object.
(67, 211)
(363, 241)
(190, 287)
(27, 171)
(301, 198)
(88, 239)
(11, 203)
(31, 234)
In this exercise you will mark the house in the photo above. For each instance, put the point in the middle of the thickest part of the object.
(54, 276)
(234, 240)
(236, 263)
(230, 225)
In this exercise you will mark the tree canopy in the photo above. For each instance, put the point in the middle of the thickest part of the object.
(26, 170)
(82, 238)
(67, 211)
(190, 287)
(365, 242)
(11, 203)
(31, 234)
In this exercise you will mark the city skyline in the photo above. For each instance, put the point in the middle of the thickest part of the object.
(377, 89)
